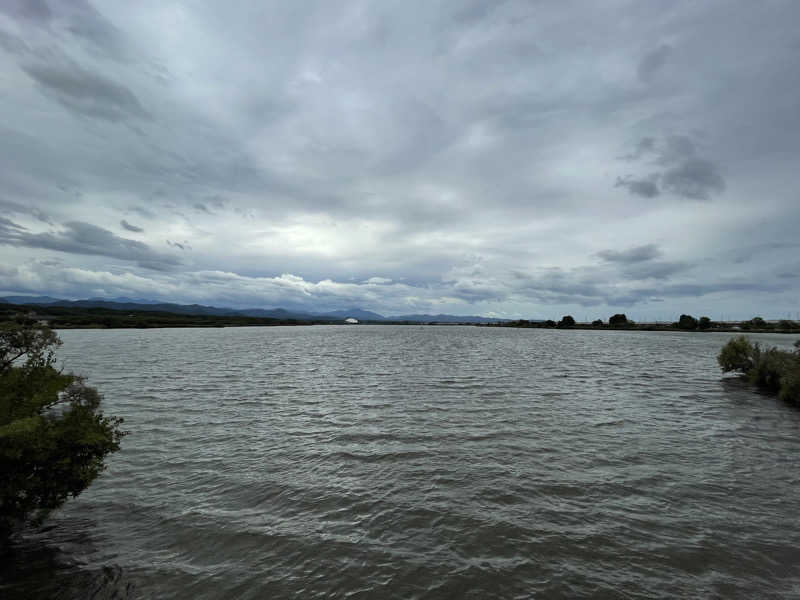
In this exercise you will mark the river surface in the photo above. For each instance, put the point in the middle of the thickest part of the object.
(424, 462)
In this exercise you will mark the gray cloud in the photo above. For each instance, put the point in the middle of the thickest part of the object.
(653, 62)
(646, 188)
(685, 174)
(182, 246)
(129, 227)
(87, 93)
(78, 237)
(653, 270)
(694, 178)
(22, 209)
(444, 147)
(631, 255)
(644, 146)
(87, 23)
(33, 10)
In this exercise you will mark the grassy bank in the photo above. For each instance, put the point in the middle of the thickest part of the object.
(774, 370)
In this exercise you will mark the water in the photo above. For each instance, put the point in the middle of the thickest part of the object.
(424, 462)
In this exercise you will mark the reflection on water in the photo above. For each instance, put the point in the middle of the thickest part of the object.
(434, 462)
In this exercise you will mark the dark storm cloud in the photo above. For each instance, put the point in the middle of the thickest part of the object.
(130, 227)
(653, 62)
(78, 237)
(631, 255)
(86, 93)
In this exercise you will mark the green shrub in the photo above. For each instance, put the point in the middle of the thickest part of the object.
(618, 320)
(566, 321)
(771, 369)
(53, 437)
(790, 387)
(737, 355)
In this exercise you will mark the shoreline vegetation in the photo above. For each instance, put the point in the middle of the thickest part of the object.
(684, 323)
(69, 317)
(54, 437)
(773, 370)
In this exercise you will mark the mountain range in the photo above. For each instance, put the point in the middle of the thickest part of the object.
(139, 304)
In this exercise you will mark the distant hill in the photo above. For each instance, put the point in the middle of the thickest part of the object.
(131, 304)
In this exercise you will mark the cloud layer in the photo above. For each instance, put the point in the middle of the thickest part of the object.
(498, 158)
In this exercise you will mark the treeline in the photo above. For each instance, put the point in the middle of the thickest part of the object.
(568, 321)
(78, 318)
(684, 323)
(776, 371)
(689, 323)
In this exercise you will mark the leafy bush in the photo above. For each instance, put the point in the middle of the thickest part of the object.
(566, 321)
(687, 322)
(597, 322)
(53, 437)
(617, 320)
(771, 369)
(704, 323)
(737, 355)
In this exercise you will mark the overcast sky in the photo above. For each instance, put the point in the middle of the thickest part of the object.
(518, 159)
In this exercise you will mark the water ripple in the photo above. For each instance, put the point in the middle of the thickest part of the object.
(435, 462)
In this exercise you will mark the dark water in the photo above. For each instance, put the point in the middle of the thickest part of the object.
(436, 462)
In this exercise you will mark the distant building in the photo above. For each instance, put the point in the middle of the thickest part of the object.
(350, 321)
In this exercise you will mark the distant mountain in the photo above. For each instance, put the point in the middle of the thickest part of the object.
(135, 304)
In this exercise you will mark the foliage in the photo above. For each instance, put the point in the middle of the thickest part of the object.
(566, 321)
(771, 369)
(737, 355)
(617, 320)
(687, 322)
(704, 323)
(597, 322)
(53, 437)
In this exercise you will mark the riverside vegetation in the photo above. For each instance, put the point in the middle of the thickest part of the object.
(684, 323)
(771, 369)
(53, 437)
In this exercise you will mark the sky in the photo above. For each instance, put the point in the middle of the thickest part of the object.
(511, 159)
